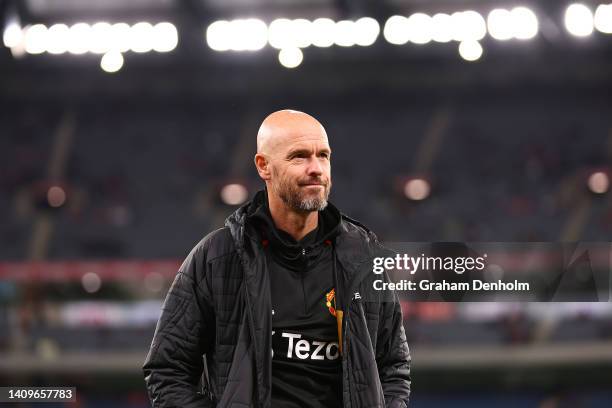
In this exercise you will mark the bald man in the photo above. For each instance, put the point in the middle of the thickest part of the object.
(276, 309)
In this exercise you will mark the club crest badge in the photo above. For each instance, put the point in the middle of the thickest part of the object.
(330, 301)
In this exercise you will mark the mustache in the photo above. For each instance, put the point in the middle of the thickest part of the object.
(317, 180)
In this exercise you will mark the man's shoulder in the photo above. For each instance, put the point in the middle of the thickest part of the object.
(358, 237)
(215, 244)
(356, 230)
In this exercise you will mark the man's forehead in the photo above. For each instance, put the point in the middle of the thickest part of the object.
(281, 130)
(292, 139)
(304, 140)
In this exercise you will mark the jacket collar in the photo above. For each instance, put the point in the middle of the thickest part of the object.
(355, 244)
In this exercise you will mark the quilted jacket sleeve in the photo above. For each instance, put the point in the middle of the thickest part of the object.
(183, 334)
(393, 356)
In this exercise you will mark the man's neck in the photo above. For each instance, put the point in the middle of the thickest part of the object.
(297, 224)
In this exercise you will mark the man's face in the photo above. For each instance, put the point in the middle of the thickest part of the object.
(301, 171)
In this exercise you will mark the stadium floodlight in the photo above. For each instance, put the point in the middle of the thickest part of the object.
(35, 39)
(257, 32)
(367, 30)
(141, 36)
(470, 50)
(417, 189)
(100, 35)
(56, 196)
(118, 37)
(98, 38)
(235, 194)
(322, 34)
(217, 35)
(500, 24)
(280, 34)
(18, 51)
(442, 28)
(79, 38)
(520, 23)
(235, 37)
(91, 282)
(396, 30)
(420, 28)
(58, 39)
(12, 35)
(301, 31)
(468, 25)
(603, 18)
(344, 33)
(290, 57)
(598, 182)
(579, 20)
(525, 23)
(246, 35)
(165, 37)
(111, 62)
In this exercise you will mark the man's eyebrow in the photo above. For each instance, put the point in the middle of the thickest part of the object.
(302, 150)
(293, 152)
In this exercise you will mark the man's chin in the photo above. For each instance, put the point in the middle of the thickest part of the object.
(315, 202)
(315, 195)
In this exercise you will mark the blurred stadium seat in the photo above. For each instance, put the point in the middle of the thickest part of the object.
(507, 144)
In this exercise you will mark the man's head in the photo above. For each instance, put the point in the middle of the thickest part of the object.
(293, 158)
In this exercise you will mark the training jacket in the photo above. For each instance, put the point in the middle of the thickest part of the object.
(219, 306)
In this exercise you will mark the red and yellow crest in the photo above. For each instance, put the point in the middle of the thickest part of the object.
(330, 301)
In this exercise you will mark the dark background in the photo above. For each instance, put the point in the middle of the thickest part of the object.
(506, 144)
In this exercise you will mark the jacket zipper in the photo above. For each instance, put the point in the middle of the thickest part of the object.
(252, 331)
(345, 352)
(302, 281)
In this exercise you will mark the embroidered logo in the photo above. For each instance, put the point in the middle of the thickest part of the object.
(330, 301)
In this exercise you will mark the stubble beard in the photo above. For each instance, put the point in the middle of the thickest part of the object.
(295, 198)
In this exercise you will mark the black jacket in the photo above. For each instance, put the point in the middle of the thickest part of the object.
(219, 306)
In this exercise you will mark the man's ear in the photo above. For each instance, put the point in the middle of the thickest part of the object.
(263, 166)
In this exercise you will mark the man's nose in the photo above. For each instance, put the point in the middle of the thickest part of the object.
(314, 167)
